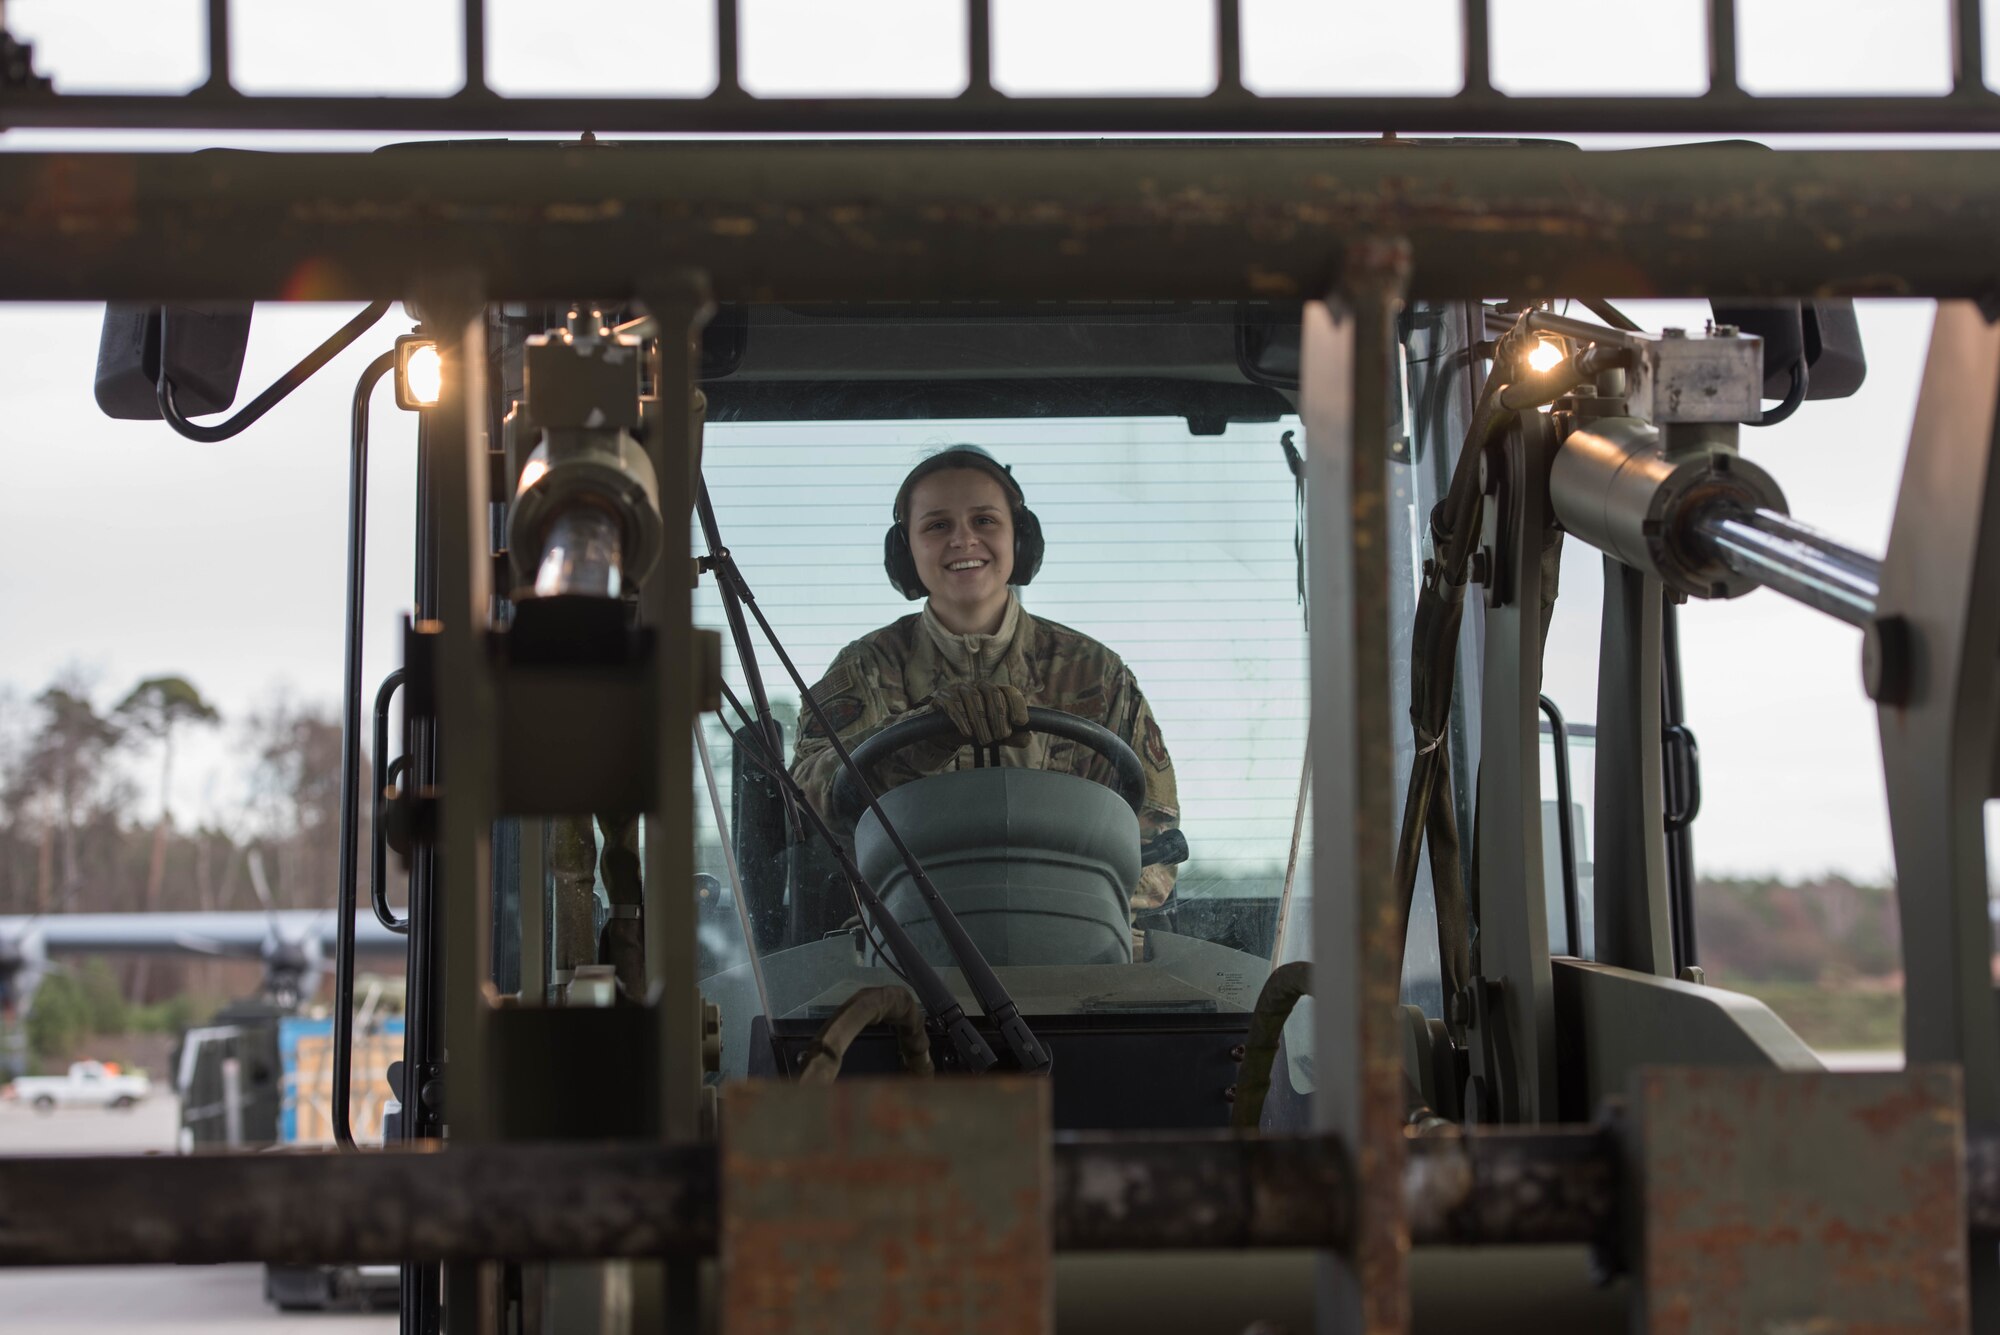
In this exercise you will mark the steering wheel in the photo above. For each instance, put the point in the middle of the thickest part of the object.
(1128, 778)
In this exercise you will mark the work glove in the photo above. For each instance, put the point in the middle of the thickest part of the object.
(984, 712)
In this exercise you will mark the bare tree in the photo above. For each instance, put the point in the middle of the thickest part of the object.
(153, 710)
(296, 792)
(62, 778)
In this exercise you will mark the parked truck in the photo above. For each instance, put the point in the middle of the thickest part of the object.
(257, 1077)
(85, 1085)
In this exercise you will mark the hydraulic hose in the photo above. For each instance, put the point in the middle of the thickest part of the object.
(1281, 992)
(1510, 389)
(869, 1006)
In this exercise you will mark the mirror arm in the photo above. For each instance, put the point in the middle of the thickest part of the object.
(270, 398)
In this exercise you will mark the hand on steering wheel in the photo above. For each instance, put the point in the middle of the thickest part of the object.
(985, 713)
(1128, 776)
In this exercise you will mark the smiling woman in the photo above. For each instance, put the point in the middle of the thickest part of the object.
(960, 535)
(962, 538)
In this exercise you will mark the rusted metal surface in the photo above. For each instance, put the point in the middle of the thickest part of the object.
(1117, 1193)
(1011, 221)
(1801, 1201)
(1548, 1185)
(1344, 375)
(548, 1201)
(1491, 1186)
(886, 1205)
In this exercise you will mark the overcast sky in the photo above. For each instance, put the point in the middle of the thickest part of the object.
(128, 552)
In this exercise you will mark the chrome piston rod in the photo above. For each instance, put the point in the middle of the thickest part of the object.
(580, 554)
(1783, 554)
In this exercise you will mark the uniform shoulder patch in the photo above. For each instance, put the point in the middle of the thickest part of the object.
(835, 696)
(843, 712)
(838, 679)
(1155, 746)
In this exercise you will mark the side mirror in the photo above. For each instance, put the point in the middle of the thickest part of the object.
(1823, 334)
(723, 343)
(202, 353)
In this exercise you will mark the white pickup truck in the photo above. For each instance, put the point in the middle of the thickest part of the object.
(88, 1084)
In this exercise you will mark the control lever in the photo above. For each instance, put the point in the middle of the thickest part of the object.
(1168, 848)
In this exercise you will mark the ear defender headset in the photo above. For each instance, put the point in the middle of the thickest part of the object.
(897, 558)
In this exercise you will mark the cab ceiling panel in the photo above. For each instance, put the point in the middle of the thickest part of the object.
(1203, 362)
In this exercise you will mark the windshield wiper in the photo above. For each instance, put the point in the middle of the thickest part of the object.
(746, 657)
(998, 1006)
(936, 999)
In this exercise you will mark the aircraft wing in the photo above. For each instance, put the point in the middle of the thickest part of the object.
(219, 933)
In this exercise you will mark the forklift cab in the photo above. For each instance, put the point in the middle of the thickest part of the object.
(1163, 451)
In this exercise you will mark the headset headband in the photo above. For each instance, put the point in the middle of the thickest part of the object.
(957, 456)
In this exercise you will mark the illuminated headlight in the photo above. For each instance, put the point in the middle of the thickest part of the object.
(1546, 355)
(419, 372)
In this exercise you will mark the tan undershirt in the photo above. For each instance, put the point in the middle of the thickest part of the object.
(974, 656)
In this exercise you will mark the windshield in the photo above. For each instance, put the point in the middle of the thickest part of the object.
(1179, 552)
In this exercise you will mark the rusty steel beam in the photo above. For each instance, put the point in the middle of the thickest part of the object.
(897, 1206)
(1125, 1193)
(1108, 1193)
(1801, 1200)
(1545, 1186)
(467, 1203)
(988, 220)
(1344, 376)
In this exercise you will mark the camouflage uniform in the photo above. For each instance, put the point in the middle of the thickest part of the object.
(884, 677)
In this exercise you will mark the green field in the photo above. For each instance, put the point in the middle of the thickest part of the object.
(1834, 1019)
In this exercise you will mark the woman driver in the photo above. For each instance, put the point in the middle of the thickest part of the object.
(964, 536)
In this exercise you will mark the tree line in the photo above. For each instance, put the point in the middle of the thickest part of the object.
(87, 821)
(87, 825)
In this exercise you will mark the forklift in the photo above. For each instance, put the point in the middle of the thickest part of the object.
(895, 1063)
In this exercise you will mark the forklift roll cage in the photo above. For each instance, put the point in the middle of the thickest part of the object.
(1350, 230)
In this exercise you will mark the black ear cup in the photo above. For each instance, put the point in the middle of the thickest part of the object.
(1028, 546)
(901, 563)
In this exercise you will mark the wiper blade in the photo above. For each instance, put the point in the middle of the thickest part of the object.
(746, 652)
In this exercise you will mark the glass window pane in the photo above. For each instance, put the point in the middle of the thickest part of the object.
(161, 46)
(1095, 47)
(882, 47)
(601, 48)
(1570, 47)
(1351, 46)
(1799, 46)
(352, 48)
